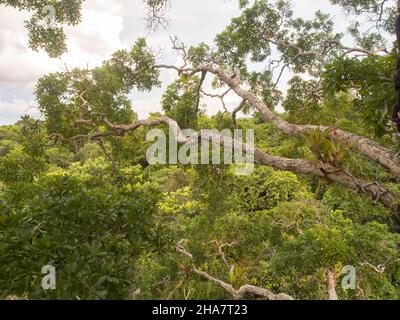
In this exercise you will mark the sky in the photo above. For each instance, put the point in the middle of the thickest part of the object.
(109, 25)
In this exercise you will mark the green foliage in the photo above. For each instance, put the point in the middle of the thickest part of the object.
(67, 97)
(264, 189)
(372, 77)
(326, 147)
(88, 152)
(245, 35)
(89, 224)
(179, 102)
(197, 55)
(33, 137)
(112, 228)
(18, 166)
(381, 13)
(59, 156)
(6, 146)
(303, 100)
(170, 179)
(109, 233)
(312, 241)
(354, 206)
(249, 34)
(42, 36)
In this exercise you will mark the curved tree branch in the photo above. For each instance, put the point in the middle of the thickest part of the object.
(367, 147)
(238, 294)
(237, 110)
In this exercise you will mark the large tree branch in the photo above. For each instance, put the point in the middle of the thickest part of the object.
(367, 147)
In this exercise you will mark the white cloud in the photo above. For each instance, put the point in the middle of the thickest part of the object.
(17, 62)
(10, 112)
(95, 38)
(92, 41)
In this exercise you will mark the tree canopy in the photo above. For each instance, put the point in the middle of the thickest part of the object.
(77, 192)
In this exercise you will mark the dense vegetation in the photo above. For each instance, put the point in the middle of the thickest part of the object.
(77, 192)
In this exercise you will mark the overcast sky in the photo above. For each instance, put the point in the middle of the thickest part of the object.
(108, 25)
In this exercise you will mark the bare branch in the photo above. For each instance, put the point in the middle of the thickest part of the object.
(236, 111)
(331, 279)
(239, 294)
(348, 50)
(156, 16)
(300, 51)
(221, 253)
(379, 269)
(203, 77)
(219, 96)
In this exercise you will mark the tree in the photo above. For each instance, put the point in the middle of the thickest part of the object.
(346, 143)
(305, 46)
